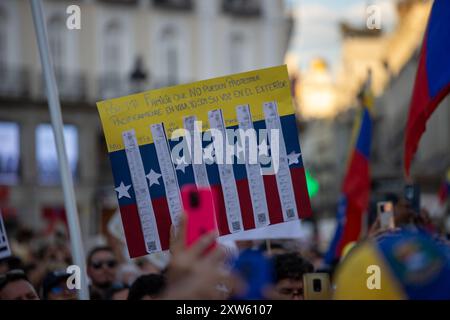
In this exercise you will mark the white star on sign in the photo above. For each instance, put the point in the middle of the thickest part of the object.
(208, 152)
(263, 148)
(181, 164)
(123, 190)
(293, 157)
(153, 177)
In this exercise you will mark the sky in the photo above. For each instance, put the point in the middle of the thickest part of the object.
(316, 32)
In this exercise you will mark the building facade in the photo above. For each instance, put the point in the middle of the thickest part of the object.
(122, 47)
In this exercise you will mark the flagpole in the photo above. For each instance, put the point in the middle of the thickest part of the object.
(57, 124)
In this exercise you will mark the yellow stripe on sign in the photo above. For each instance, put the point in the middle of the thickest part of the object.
(170, 105)
(356, 277)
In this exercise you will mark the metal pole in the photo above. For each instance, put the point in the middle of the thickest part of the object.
(57, 124)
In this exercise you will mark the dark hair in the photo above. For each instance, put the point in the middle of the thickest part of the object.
(11, 276)
(51, 280)
(95, 250)
(291, 266)
(149, 284)
(12, 262)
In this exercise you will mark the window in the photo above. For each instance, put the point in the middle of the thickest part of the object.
(170, 55)
(112, 50)
(237, 52)
(56, 36)
(3, 38)
(46, 155)
(9, 153)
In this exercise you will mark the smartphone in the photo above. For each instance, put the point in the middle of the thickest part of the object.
(257, 271)
(412, 195)
(198, 204)
(316, 286)
(386, 215)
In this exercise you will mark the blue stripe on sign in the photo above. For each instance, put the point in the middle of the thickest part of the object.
(150, 160)
(290, 133)
(188, 176)
(121, 173)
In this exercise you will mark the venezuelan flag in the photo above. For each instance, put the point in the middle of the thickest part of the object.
(432, 80)
(354, 198)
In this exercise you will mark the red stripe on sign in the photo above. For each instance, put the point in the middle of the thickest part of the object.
(301, 192)
(163, 221)
(133, 231)
(221, 214)
(273, 199)
(245, 201)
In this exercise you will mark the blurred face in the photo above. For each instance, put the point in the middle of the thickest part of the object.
(61, 292)
(289, 289)
(18, 290)
(102, 269)
(403, 213)
(120, 295)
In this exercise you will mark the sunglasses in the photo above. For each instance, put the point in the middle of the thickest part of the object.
(108, 263)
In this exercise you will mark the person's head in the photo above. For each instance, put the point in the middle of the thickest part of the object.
(14, 285)
(404, 213)
(102, 266)
(10, 263)
(147, 287)
(289, 270)
(54, 287)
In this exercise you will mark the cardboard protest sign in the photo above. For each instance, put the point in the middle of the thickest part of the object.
(5, 250)
(236, 135)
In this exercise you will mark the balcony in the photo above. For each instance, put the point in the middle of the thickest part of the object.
(122, 2)
(112, 85)
(71, 86)
(14, 82)
(173, 4)
(242, 8)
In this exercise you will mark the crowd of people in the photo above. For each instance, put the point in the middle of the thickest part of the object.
(37, 268)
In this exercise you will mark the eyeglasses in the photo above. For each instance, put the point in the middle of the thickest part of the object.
(10, 276)
(108, 263)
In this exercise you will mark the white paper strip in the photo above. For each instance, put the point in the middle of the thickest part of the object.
(5, 250)
(226, 174)
(140, 186)
(283, 175)
(200, 173)
(255, 179)
(168, 172)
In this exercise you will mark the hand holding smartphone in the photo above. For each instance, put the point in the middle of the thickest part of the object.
(198, 204)
(316, 286)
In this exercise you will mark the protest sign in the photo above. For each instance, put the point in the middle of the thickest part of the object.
(5, 251)
(236, 135)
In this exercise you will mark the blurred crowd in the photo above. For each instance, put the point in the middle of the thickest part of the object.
(37, 268)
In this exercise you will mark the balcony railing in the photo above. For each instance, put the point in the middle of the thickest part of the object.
(124, 2)
(71, 86)
(242, 8)
(174, 4)
(112, 85)
(14, 82)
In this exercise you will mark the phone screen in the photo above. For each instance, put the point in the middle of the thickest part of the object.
(316, 286)
(386, 215)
